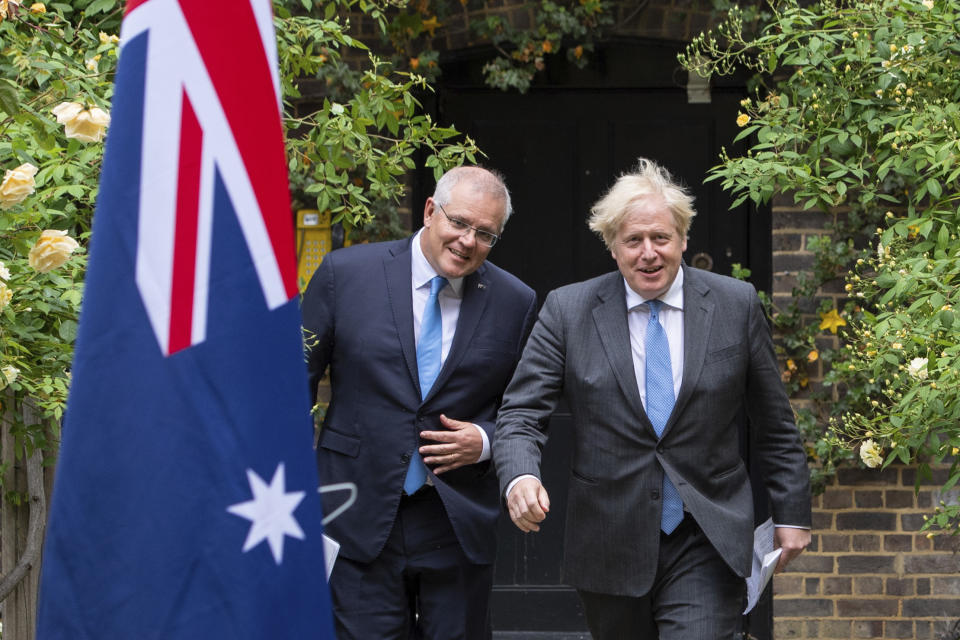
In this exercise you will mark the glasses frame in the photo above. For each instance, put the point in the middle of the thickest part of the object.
(459, 225)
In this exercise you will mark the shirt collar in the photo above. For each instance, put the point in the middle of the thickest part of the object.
(673, 298)
(423, 272)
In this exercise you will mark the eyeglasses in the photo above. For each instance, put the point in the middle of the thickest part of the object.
(483, 237)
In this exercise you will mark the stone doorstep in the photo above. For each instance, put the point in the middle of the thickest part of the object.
(539, 635)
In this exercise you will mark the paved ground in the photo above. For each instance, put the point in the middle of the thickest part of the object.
(538, 635)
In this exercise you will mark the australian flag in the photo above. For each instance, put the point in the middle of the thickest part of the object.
(185, 503)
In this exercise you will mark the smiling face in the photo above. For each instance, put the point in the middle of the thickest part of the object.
(450, 253)
(648, 248)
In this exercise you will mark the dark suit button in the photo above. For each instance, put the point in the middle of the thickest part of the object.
(654, 495)
(659, 448)
(405, 458)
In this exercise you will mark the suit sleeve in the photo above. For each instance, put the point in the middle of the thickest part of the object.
(780, 450)
(531, 398)
(528, 322)
(318, 323)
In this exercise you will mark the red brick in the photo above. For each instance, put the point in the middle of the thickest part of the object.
(811, 586)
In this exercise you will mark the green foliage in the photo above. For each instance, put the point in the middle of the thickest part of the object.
(855, 113)
(568, 27)
(349, 154)
(62, 53)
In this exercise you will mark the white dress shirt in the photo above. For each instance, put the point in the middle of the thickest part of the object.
(671, 319)
(422, 273)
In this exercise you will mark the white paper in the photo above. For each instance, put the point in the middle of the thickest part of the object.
(330, 550)
(765, 559)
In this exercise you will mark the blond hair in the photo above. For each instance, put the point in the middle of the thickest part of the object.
(648, 180)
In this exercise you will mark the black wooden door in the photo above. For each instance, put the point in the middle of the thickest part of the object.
(560, 147)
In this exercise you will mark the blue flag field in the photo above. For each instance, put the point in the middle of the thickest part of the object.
(185, 503)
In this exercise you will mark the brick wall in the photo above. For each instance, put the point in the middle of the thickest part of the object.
(869, 572)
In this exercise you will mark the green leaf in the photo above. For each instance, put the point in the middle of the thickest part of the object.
(9, 98)
(933, 186)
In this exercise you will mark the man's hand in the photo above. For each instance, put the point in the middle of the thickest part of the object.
(792, 541)
(461, 445)
(528, 504)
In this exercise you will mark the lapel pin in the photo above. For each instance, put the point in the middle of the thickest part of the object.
(480, 285)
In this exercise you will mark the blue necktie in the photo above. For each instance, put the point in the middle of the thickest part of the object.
(660, 400)
(428, 365)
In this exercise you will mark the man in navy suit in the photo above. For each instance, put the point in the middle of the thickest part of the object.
(420, 336)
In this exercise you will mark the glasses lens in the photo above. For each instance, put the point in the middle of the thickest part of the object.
(487, 238)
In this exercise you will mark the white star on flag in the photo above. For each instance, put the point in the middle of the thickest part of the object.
(270, 512)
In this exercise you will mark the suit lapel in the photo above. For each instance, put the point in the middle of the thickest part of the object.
(474, 301)
(698, 316)
(610, 316)
(398, 271)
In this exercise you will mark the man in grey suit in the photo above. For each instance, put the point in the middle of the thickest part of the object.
(661, 365)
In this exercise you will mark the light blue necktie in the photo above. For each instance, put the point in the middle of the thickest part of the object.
(428, 365)
(660, 401)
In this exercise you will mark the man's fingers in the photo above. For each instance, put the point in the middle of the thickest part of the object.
(527, 504)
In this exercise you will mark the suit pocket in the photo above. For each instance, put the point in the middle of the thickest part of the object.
(583, 478)
(340, 443)
(725, 353)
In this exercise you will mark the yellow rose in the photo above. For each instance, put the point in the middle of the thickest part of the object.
(3, 9)
(10, 374)
(17, 185)
(92, 63)
(53, 248)
(742, 120)
(5, 295)
(86, 125)
(38, 7)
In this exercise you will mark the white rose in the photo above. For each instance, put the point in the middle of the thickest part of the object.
(10, 372)
(52, 249)
(871, 454)
(86, 125)
(17, 185)
(918, 368)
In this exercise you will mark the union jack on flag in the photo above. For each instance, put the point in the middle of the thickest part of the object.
(185, 503)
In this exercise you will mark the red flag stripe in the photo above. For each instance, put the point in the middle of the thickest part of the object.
(185, 233)
(241, 76)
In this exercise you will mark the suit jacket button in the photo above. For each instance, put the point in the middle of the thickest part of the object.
(405, 458)
(659, 448)
(654, 495)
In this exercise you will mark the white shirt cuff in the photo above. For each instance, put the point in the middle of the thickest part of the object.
(485, 454)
